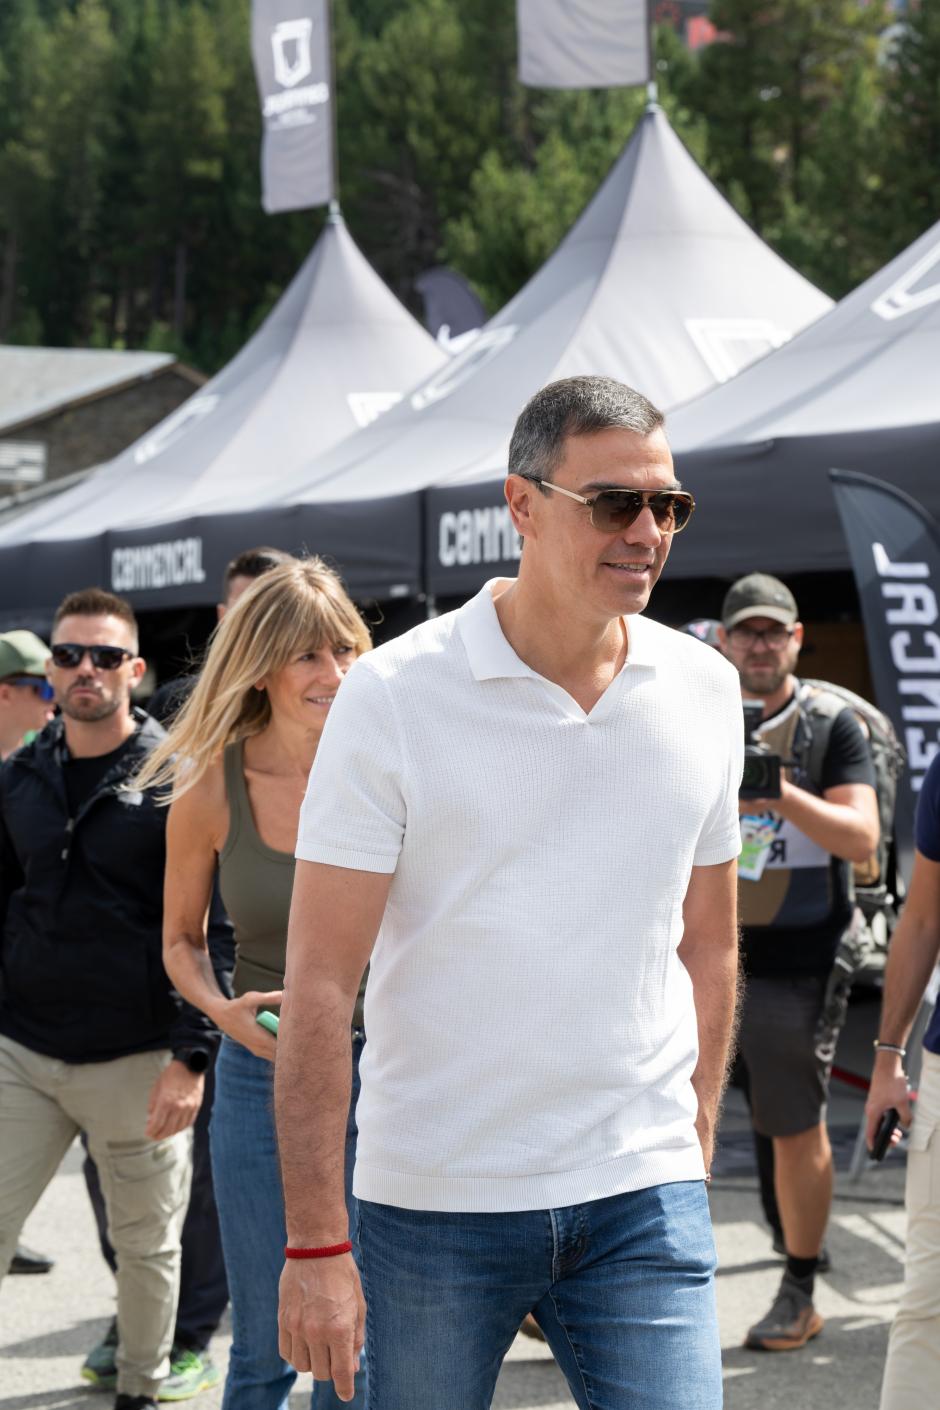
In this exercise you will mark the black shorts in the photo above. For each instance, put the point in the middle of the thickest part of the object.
(786, 1057)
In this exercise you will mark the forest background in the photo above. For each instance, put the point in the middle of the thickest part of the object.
(130, 211)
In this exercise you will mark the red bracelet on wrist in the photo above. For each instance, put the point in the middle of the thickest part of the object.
(329, 1251)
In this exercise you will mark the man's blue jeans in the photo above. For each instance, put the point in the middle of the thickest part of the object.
(622, 1288)
(251, 1215)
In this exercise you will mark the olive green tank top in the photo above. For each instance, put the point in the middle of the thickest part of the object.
(256, 881)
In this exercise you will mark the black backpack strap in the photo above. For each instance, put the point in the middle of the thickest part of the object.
(818, 713)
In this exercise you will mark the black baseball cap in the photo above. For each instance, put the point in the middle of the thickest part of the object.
(758, 595)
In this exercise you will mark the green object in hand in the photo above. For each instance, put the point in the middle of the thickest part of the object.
(268, 1021)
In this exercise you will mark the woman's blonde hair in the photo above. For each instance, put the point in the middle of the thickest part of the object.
(299, 606)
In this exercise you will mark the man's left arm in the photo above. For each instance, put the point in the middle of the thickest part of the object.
(709, 952)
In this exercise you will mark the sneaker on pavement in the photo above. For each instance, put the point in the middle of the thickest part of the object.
(823, 1262)
(25, 1260)
(99, 1365)
(791, 1322)
(134, 1402)
(190, 1372)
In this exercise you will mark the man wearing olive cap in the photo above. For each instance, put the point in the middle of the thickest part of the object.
(25, 708)
(25, 694)
(795, 902)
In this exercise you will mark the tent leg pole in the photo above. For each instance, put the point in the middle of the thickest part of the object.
(430, 606)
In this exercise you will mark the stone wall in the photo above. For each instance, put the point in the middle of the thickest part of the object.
(88, 432)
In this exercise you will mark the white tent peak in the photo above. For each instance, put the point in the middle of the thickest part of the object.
(659, 283)
(336, 350)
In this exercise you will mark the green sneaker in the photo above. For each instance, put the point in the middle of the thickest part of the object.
(190, 1372)
(99, 1365)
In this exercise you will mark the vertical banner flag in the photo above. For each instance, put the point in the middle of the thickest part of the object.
(291, 45)
(894, 545)
(583, 43)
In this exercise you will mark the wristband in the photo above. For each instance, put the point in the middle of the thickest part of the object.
(329, 1251)
(890, 1048)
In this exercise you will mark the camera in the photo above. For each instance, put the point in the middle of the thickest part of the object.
(761, 778)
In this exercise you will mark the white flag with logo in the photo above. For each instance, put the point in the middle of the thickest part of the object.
(290, 42)
(583, 43)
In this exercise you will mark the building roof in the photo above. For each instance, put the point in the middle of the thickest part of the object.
(35, 382)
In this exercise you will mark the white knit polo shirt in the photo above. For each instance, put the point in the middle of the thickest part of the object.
(531, 1029)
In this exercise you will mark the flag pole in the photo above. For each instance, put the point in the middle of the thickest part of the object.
(335, 213)
(652, 88)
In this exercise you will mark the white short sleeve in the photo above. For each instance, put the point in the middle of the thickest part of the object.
(353, 813)
(720, 838)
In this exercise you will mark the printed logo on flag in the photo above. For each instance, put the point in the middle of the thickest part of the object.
(904, 296)
(291, 37)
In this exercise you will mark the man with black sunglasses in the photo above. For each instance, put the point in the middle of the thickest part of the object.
(795, 901)
(92, 1037)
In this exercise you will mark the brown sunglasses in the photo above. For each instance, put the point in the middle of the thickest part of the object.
(613, 510)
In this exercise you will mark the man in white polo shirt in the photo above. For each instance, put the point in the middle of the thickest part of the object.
(532, 804)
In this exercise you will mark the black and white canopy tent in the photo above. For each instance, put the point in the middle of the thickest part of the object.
(660, 284)
(159, 522)
(859, 390)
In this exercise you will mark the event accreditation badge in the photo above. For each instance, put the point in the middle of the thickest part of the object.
(757, 837)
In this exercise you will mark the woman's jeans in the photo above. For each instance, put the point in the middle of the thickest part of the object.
(622, 1288)
(251, 1215)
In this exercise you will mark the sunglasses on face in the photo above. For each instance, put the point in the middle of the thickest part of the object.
(615, 510)
(104, 658)
(39, 687)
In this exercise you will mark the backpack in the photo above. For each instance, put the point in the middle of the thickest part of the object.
(820, 703)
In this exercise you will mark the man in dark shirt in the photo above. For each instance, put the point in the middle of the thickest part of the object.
(92, 1037)
(795, 903)
(912, 1370)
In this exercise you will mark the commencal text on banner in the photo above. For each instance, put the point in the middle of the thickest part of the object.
(292, 53)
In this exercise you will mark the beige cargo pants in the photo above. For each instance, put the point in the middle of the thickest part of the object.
(44, 1103)
(912, 1371)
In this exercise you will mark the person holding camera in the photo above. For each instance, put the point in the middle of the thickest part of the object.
(795, 901)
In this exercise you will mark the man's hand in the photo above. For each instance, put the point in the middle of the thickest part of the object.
(322, 1318)
(757, 807)
(888, 1089)
(174, 1102)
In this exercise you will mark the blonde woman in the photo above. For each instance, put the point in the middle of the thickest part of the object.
(237, 760)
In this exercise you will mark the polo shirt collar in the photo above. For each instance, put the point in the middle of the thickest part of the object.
(491, 656)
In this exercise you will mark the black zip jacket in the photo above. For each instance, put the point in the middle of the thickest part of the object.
(81, 911)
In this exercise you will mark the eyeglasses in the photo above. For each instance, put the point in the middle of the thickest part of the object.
(39, 687)
(104, 658)
(774, 637)
(614, 510)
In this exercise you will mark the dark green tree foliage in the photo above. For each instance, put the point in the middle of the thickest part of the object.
(130, 210)
(911, 168)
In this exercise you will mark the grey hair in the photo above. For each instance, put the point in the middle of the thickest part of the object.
(575, 406)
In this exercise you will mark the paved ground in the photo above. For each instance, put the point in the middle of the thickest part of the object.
(48, 1323)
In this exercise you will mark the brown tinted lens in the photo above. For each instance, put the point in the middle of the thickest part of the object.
(615, 510)
(671, 511)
